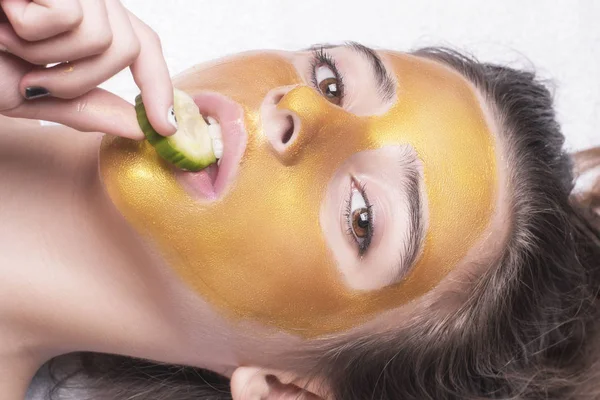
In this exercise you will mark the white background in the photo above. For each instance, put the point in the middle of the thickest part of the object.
(561, 39)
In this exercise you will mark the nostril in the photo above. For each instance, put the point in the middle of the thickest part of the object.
(277, 97)
(289, 130)
(280, 125)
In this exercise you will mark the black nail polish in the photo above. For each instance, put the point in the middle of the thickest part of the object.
(35, 92)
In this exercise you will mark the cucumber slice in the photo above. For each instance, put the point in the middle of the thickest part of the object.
(190, 148)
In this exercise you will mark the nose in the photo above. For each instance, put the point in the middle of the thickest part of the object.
(280, 125)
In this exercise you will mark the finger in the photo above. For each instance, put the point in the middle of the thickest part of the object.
(152, 76)
(12, 70)
(92, 37)
(67, 81)
(97, 111)
(42, 19)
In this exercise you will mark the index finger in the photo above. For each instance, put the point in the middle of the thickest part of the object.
(96, 111)
(42, 19)
(151, 74)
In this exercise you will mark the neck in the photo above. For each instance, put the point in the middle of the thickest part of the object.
(79, 279)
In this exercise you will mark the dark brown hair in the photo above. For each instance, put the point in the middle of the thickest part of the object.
(527, 329)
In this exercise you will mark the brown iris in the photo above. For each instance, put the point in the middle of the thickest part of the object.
(331, 90)
(360, 222)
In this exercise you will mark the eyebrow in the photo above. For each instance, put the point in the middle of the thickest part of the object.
(385, 82)
(416, 231)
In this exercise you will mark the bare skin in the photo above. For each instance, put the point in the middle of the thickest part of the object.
(111, 297)
(98, 39)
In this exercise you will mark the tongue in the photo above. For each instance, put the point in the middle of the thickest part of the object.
(203, 181)
(212, 171)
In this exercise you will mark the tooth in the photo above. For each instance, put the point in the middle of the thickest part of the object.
(217, 148)
(212, 121)
(214, 131)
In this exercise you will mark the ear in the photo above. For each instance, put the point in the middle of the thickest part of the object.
(252, 383)
(587, 175)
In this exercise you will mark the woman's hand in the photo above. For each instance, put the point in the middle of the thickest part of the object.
(91, 40)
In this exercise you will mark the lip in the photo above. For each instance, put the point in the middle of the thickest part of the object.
(235, 138)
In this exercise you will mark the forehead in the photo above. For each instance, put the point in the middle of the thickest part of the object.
(441, 115)
(433, 99)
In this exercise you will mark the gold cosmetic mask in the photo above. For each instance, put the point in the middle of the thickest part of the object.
(259, 253)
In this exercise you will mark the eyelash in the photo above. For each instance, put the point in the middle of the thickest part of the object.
(364, 245)
(320, 57)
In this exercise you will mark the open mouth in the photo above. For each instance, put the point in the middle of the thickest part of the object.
(225, 119)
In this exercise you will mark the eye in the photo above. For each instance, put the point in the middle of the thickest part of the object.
(326, 78)
(360, 222)
(328, 84)
(359, 217)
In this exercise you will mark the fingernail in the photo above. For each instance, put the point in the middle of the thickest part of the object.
(172, 118)
(35, 92)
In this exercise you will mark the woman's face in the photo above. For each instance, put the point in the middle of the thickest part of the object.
(352, 182)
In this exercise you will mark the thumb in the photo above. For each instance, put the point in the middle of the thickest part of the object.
(96, 111)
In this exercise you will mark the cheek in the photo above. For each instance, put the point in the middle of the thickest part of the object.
(260, 254)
